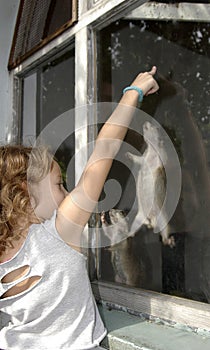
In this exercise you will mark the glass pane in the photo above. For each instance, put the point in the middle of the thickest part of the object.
(181, 52)
(56, 96)
(58, 15)
(48, 93)
(29, 109)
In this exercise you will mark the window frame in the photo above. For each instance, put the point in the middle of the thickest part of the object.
(153, 305)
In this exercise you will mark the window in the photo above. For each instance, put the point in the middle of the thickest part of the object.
(48, 92)
(181, 52)
(38, 22)
(177, 41)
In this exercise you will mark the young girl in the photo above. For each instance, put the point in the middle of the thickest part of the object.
(45, 295)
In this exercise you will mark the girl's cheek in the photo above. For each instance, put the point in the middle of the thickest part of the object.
(66, 193)
(62, 195)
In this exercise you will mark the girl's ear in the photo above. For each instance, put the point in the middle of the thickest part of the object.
(24, 185)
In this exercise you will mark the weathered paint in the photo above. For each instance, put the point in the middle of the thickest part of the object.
(130, 332)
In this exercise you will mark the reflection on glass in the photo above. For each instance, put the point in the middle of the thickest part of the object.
(48, 93)
(56, 96)
(181, 265)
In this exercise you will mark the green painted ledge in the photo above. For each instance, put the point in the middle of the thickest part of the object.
(128, 332)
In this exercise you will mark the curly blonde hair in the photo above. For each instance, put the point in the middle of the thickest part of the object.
(20, 166)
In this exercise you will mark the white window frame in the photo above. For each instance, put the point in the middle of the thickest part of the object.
(174, 310)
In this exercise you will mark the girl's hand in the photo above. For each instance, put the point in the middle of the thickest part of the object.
(146, 82)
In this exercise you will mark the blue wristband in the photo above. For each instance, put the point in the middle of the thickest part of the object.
(140, 92)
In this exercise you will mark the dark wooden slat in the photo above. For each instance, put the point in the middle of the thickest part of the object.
(15, 62)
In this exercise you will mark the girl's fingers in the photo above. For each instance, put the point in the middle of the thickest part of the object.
(152, 91)
(154, 88)
(147, 82)
(153, 70)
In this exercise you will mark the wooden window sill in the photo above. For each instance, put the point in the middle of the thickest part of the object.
(130, 332)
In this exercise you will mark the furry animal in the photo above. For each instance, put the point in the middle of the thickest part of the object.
(127, 268)
(151, 183)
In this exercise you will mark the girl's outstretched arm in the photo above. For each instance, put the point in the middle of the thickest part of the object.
(74, 212)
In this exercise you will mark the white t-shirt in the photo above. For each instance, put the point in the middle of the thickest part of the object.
(59, 311)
